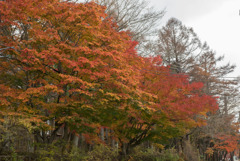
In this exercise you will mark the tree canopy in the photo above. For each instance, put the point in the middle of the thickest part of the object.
(67, 70)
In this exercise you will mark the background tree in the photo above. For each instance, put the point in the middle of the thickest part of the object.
(136, 16)
(221, 125)
(181, 49)
(178, 45)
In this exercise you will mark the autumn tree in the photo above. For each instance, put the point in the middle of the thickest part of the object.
(181, 49)
(173, 108)
(221, 125)
(62, 63)
(215, 78)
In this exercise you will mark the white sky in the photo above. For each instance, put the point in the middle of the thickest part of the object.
(215, 21)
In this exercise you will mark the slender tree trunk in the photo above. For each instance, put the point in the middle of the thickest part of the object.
(75, 140)
(123, 152)
(107, 136)
(82, 142)
(102, 134)
(231, 156)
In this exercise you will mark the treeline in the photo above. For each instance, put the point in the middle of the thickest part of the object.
(101, 81)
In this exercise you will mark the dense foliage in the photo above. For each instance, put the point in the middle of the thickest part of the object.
(70, 79)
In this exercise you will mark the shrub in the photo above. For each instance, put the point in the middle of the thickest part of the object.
(101, 153)
(152, 154)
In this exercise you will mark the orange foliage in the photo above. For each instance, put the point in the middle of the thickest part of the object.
(227, 143)
(67, 62)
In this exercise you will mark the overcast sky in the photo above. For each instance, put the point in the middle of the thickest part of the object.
(215, 21)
